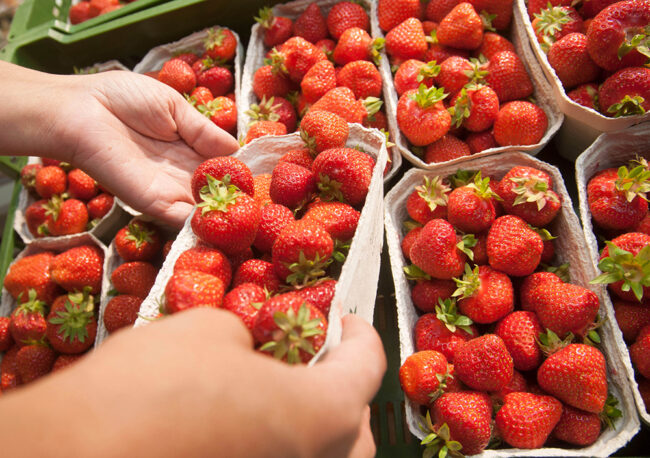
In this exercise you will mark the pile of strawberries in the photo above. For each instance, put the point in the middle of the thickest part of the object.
(478, 248)
(618, 203)
(270, 246)
(54, 322)
(314, 63)
(88, 9)
(462, 88)
(206, 80)
(140, 245)
(68, 201)
(598, 51)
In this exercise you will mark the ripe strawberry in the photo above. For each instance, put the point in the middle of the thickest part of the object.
(435, 251)
(99, 206)
(298, 156)
(429, 200)
(97, 6)
(202, 64)
(121, 312)
(9, 376)
(298, 56)
(28, 177)
(292, 185)
(475, 108)
(446, 148)
(427, 294)
(341, 102)
(527, 290)
(412, 73)
(483, 363)
(461, 28)
(406, 40)
(262, 184)
(244, 301)
(480, 141)
(220, 167)
(257, 271)
(569, 58)
(221, 44)
(362, 77)
(393, 12)
(339, 219)
(644, 225)
(71, 323)
(422, 117)
(639, 352)
(440, 53)
(311, 24)
(79, 12)
(484, 295)
(508, 77)
(585, 95)
(6, 340)
(578, 427)
(318, 80)
(626, 92)
(356, 44)
(408, 241)
(34, 361)
(470, 208)
(65, 217)
(323, 130)
(273, 219)
(269, 81)
(206, 259)
(81, 185)
(519, 331)
(178, 75)
(610, 37)
(457, 72)
(536, 6)
(264, 128)
(36, 217)
(344, 174)
(200, 96)
(167, 246)
(327, 46)
(345, 15)
(301, 252)
(551, 24)
(222, 112)
(188, 289)
(492, 44)
(218, 80)
(436, 11)
(631, 318)
(50, 180)
(28, 320)
(517, 384)
(500, 9)
(135, 278)
(526, 419)
(63, 361)
(576, 375)
(277, 29)
(79, 267)
(188, 57)
(520, 123)
(32, 272)
(512, 247)
(138, 241)
(319, 295)
(422, 376)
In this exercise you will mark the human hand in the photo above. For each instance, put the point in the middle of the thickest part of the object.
(192, 385)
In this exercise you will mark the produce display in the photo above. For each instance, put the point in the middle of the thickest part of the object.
(88, 9)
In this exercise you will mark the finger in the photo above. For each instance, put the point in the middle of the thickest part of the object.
(358, 362)
(200, 133)
(174, 214)
(364, 446)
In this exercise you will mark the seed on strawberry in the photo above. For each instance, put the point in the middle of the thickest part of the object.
(422, 376)
(298, 56)
(50, 180)
(65, 217)
(218, 80)
(221, 44)
(320, 294)
(427, 294)
(138, 241)
(270, 81)
(526, 419)
(483, 363)
(421, 115)
(264, 128)
(261, 187)
(206, 259)
(344, 174)
(341, 101)
(639, 352)
(480, 141)
(121, 312)
(470, 208)
(345, 15)
(218, 167)
(569, 58)
(32, 272)
(322, 130)
(34, 361)
(63, 361)
(631, 318)
(356, 44)
(37, 218)
(492, 44)
(517, 384)
(578, 427)
(81, 185)
(257, 271)
(99, 206)
(292, 185)
(178, 75)
(429, 200)
(245, 301)
(188, 289)
(28, 177)
(512, 247)
(79, 267)
(406, 40)
(9, 376)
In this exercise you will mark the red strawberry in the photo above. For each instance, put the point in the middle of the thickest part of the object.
(429, 200)
(6, 340)
(32, 272)
(327, 46)
(461, 28)
(526, 419)
(178, 75)
(492, 44)
(277, 29)
(320, 294)
(135, 278)
(200, 96)
(269, 81)
(484, 363)
(553, 23)
(222, 112)
(517, 384)
(311, 24)
(188, 57)
(290, 328)
(344, 174)
(435, 251)
(512, 247)
(500, 9)
(585, 95)
(9, 376)
(406, 41)
(644, 225)
(475, 108)
(28, 320)
(218, 167)
(508, 77)
(436, 11)
(362, 77)
(34, 361)
(121, 312)
(63, 361)
(188, 289)
(576, 375)
(322, 130)
(457, 72)
(480, 141)
(257, 271)
(408, 241)
(99, 206)
(393, 12)
(626, 92)
(28, 177)
(37, 218)
(470, 208)
(318, 80)
(345, 15)
(273, 219)
(71, 323)
(98, 6)
(81, 185)
(447, 148)
(536, 6)
(218, 80)
(578, 427)
(520, 123)
(299, 156)
(50, 180)
(65, 217)
(639, 352)
(527, 290)
(569, 58)
(78, 268)
(264, 128)
(79, 13)
(426, 294)
(563, 307)
(414, 72)
(485, 295)
(221, 44)
(356, 44)
(422, 376)
(422, 117)
(244, 301)
(298, 56)
(292, 185)
(341, 101)
(206, 259)
(631, 318)
(138, 241)
(519, 331)
(339, 219)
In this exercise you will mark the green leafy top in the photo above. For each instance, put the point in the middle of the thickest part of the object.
(307, 271)
(215, 38)
(468, 284)
(429, 70)
(639, 41)
(139, 234)
(634, 181)
(530, 189)
(32, 305)
(549, 342)
(428, 97)
(264, 17)
(79, 311)
(446, 312)
(264, 111)
(438, 442)
(621, 265)
(434, 191)
(218, 195)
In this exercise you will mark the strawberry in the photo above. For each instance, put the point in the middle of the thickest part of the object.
(277, 29)
(536, 6)
(327, 46)
(28, 320)
(497, 13)
(344, 174)
(227, 218)
(65, 217)
(479, 250)
(218, 80)
(492, 44)
(393, 12)
(585, 95)
(121, 312)
(274, 218)
(457, 72)
(206, 259)
(63, 361)
(422, 376)
(512, 247)
(480, 141)
(299, 156)
(264, 128)
(97, 6)
(37, 218)
(412, 73)
(188, 57)
(28, 177)
(429, 200)
(323, 130)
(341, 102)
(290, 328)
(356, 44)
(551, 24)
(517, 384)
(311, 24)
(508, 77)
(639, 351)
(320, 294)
(591, 8)
(135, 278)
(576, 375)
(528, 288)
(222, 112)
(339, 219)
(631, 318)
(362, 77)
(407, 40)
(318, 80)
(79, 267)
(301, 252)
(9, 376)
(292, 185)
(421, 116)
(519, 331)
(461, 28)
(71, 323)
(298, 56)
(644, 225)
(483, 363)
(436, 252)
(79, 13)
(484, 295)
(257, 271)
(578, 427)
(269, 81)
(470, 208)
(436, 11)
(99, 206)
(81, 185)
(50, 180)
(626, 92)
(188, 289)
(6, 340)
(475, 108)
(526, 419)
(408, 241)
(178, 75)
(32, 272)
(221, 44)
(426, 294)
(34, 361)
(345, 15)
(219, 167)
(200, 96)
(440, 53)
(244, 301)
(520, 123)
(138, 241)
(612, 35)
(446, 148)
(569, 58)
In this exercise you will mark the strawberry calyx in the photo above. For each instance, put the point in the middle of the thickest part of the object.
(468, 284)
(543, 233)
(443, 379)
(628, 106)
(432, 38)
(549, 342)
(264, 111)
(218, 195)
(467, 242)
(461, 108)
(265, 17)
(478, 71)
(375, 49)
(53, 206)
(215, 38)
(276, 61)
(487, 20)
(636, 38)
(610, 412)
(462, 178)
(211, 108)
(591, 336)
(429, 70)
(341, 249)
(427, 97)
(310, 142)
(621, 265)
(532, 190)
(138, 234)
(294, 333)
(32, 305)
(43, 230)
(413, 272)
(481, 187)
(78, 313)
(388, 143)
(561, 271)
(550, 21)
(307, 271)
(434, 192)
(438, 441)
(447, 313)
(372, 105)
(634, 182)
(330, 189)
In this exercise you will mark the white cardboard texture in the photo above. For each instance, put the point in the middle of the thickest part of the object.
(543, 95)
(611, 150)
(255, 59)
(356, 288)
(570, 247)
(586, 123)
(107, 225)
(155, 59)
(105, 67)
